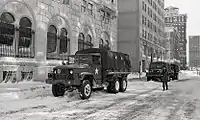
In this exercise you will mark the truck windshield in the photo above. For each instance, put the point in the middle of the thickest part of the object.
(79, 59)
(82, 59)
(156, 65)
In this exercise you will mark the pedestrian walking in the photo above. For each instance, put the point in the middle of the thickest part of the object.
(165, 79)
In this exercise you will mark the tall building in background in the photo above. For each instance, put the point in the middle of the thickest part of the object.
(172, 38)
(194, 51)
(141, 31)
(36, 35)
(174, 19)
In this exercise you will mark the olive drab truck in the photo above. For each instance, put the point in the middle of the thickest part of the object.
(157, 71)
(90, 69)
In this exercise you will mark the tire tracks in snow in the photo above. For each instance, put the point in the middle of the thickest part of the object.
(122, 101)
(22, 110)
(189, 109)
(147, 105)
(146, 111)
(93, 110)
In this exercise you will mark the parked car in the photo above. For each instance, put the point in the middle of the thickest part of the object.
(157, 70)
(91, 69)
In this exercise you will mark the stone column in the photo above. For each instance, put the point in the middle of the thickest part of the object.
(40, 51)
(74, 42)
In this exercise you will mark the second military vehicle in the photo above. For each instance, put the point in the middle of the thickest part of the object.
(157, 70)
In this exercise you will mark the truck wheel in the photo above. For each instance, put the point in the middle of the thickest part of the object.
(114, 86)
(85, 89)
(58, 90)
(176, 77)
(148, 79)
(123, 85)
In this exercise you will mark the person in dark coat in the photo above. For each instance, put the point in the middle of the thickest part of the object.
(165, 79)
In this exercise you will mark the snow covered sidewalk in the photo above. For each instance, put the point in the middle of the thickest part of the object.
(21, 86)
(12, 91)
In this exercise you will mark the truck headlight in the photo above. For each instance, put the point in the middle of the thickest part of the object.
(58, 71)
(71, 72)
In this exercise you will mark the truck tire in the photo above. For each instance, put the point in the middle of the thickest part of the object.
(123, 85)
(85, 90)
(58, 90)
(148, 79)
(114, 86)
(176, 77)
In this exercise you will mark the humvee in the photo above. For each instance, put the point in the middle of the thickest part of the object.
(91, 69)
(157, 69)
(175, 68)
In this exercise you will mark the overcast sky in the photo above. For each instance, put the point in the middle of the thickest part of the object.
(192, 8)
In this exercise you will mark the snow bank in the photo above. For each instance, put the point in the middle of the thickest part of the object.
(136, 75)
(189, 73)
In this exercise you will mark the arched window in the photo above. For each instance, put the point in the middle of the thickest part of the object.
(88, 43)
(63, 41)
(101, 43)
(51, 39)
(7, 31)
(81, 39)
(7, 18)
(25, 37)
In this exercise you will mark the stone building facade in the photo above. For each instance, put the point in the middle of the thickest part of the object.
(194, 51)
(36, 35)
(141, 31)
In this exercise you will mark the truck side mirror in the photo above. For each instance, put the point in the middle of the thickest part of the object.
(164, 69)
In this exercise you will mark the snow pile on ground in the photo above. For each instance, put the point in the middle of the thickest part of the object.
(189, 73)
(136, 75)
(21, 86)
(13, 91)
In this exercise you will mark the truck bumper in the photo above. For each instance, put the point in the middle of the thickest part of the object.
(49, 81)
(65, 82)
(154, 75)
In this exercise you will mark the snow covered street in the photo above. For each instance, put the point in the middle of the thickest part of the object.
(142, 101)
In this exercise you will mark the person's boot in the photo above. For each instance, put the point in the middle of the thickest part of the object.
(163, 88)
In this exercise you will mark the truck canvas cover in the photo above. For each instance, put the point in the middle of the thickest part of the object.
(111, 60)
